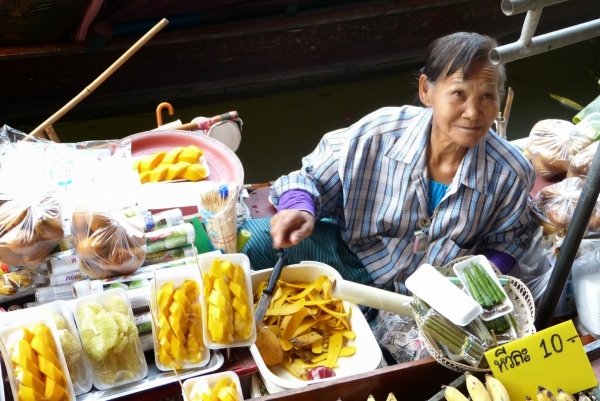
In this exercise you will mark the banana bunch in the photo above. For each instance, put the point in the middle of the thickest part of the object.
(228, 310)
(179, 162)
(543, 394)
(493, 390)
(179, 324)
(390, 397)
(36, 366)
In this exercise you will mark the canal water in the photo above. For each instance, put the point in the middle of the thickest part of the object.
(280, 128)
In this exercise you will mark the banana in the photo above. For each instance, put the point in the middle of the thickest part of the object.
(453, 394)
(564, 396)
(527, 398)
(496, 389)
(583, 397)
(544, 394)
(476, 389)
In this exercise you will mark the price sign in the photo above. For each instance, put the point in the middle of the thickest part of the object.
(553, 358)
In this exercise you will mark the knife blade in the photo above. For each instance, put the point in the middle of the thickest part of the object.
(267, 294)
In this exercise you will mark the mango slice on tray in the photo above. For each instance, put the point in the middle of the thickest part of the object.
(177, 163)
(191, 154)
(172, 155)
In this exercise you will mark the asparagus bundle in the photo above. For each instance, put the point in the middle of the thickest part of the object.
(453, 338)
(482, 287)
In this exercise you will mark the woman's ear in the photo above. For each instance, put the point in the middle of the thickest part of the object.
(424, 90)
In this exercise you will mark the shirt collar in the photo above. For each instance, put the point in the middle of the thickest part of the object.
(413, 143)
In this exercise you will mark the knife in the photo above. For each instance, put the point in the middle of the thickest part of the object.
(267, 294)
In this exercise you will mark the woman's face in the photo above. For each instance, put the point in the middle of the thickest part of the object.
(463, 109)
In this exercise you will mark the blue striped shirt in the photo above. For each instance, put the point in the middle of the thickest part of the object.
(371, 178)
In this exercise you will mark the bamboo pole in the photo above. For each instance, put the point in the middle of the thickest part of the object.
(91, 87)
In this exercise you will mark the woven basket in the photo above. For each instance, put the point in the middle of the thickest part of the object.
(524, 313)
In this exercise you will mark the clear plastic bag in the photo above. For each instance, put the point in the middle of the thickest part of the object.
(552, 144)
(17, 281)
(581, 162)
(556, 203)
(586, 288)
(106, 243)
(29, 230)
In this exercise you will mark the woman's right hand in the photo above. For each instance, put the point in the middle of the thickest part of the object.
(289, 227)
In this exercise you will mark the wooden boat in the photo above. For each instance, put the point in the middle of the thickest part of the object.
(243, 48)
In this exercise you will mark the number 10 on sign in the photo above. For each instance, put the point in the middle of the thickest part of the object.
(553, 358)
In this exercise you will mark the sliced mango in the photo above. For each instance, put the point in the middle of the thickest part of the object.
(145, 177)
(29, 394)
(54, 391)
(50, 370)
(136, 165)
(159, 173)
(175, 170)
(190, 154)
(172, 155)
(148, 163)
(195, 172)
(43, 348)
(29, 380)
(23, 349)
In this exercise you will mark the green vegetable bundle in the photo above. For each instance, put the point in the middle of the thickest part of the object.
(482, 287)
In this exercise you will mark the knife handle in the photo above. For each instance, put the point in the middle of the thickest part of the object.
(282, 261)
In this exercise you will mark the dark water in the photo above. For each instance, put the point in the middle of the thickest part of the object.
(280, 129)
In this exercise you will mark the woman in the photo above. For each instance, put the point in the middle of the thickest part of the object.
(411, 185)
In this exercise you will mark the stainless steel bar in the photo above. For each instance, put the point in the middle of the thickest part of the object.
(540, 44)
(529, 25)
(512, 7)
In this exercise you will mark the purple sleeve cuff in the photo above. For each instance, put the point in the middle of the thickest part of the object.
(503, 261)
(297, 199)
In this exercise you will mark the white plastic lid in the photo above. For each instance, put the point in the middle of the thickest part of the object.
(443, 296)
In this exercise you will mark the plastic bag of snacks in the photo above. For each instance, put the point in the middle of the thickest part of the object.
(106, 243)
(13, 282)
(29, 230)
(556, 203)
(552, 144)
(581, 162)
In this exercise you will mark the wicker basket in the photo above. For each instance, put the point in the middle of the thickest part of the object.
(524, 312)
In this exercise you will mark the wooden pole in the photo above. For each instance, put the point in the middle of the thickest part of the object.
(91, 87)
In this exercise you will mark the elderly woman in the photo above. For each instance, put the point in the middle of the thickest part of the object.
(409, 185)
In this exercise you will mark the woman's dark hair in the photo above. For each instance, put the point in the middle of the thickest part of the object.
(458, 52)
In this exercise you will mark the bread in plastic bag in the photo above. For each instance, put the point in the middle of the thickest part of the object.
(29, 230)
(556, 203)
(106, 243)
(552, 144)
(581, 162)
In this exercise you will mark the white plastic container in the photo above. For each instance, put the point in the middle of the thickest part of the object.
(175, 275)
(368, 354)
(132, 354)
(8, 334)
(81, 376)
(241, 260)
(211, 380)
(502, 308)
(443, 296)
